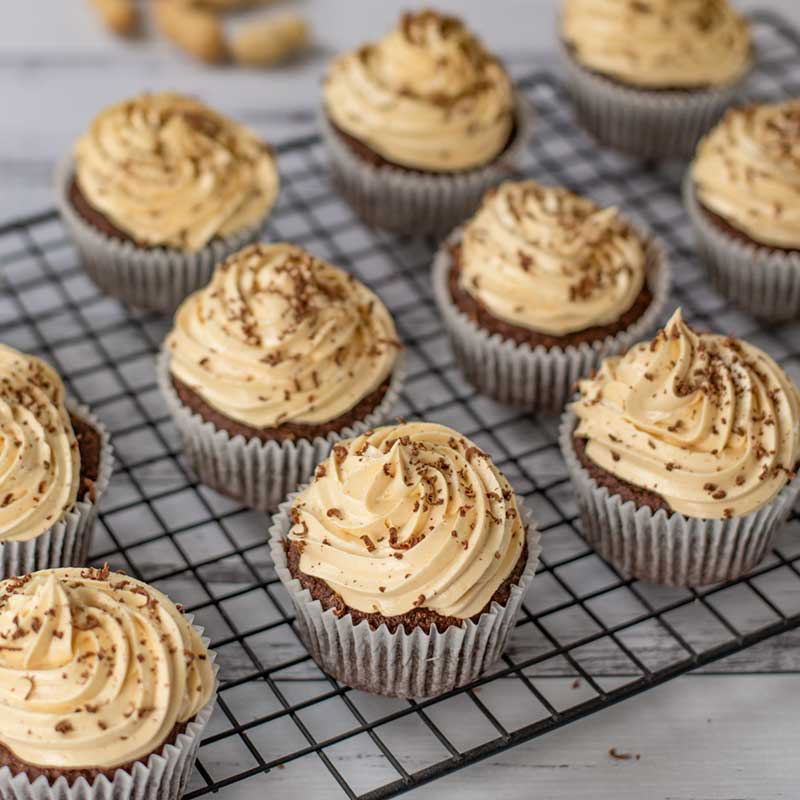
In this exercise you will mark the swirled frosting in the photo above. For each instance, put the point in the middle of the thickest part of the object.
(710, 423)
(96, 669)
(426, 96)
(169, 171)
(39, 457)
(659, 44)
(280, 336)
(409, 516)
(747, 170)
(544, 258)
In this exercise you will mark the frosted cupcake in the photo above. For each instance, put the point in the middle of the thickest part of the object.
(160, 189)
(407, 558)
(649, 78)
(683, 455)
(106, 688)
(420, 123)
(539, 285)
(278, 358)
(741, 195)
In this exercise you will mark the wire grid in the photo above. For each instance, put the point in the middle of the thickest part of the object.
(587, 637)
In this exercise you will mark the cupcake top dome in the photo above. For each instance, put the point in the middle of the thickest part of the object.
(708, 422)
(280, 336)
(659, 44)
(426, 96)
(169, 171)
(97, 670)
(409, 516)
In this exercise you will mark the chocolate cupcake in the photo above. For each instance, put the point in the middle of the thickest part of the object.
(56, 463)
(106, 688)
(160, 189)
(682, 453)
(407, 558)
(278, 358)
(741, 195)
(651, 78)
(539, 285)
(420, 123)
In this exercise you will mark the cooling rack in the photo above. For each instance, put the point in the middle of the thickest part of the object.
(587, 637)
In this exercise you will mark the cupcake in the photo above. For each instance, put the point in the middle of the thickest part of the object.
(741, 195)
(277, 359)
(539, 285)
(106, 688)
(55, 463)
(650, 78)
(407, 558)
(419, 124)
(160, 189)
(682, 454)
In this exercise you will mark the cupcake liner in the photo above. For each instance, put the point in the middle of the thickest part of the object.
(400, 664)
(673, 550)
(411, 202)
(65, 544)
(759, 279)
(259, 474)
(153, 278)
(163, 776)
(647, 124)
(539, 378)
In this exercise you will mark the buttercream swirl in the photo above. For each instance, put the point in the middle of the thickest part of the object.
(96, 669)
(710, 423)
(280, 336)
(409, 516)
(426, 96)
(169, 171)
(546, 259)
(39, 457)
(659, 44)
(747, 170)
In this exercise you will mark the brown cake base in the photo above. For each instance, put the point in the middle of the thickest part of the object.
(423, 618)
(485, 320)
(96, 218)
(740, 235)
(89, 444)
(289, 431)
(52, 774)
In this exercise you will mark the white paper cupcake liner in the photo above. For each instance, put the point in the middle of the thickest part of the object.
(673, 549)
(410, 202)
(259, 474)
(153, 278)
(763, 281)
(65, 544)
(164, 776)
(647, 124)
(539, 378)
(400, 664)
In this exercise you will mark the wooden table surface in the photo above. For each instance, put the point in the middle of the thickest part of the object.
(733, 732)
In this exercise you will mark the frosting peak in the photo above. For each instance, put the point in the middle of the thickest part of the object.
(169, 171)
(280, 336)
(710, 423)
(544, 258)
(409, 516)
(426, 96)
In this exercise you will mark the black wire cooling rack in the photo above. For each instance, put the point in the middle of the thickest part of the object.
(587, 638)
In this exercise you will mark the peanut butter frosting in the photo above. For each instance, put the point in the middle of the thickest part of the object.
(408, 516)
(659, 44)
(708, 422)
(96, 669)
(426, 96)
(167, 170)
(39, 457)
(747, 170)
(546, 259)
(281, 336)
